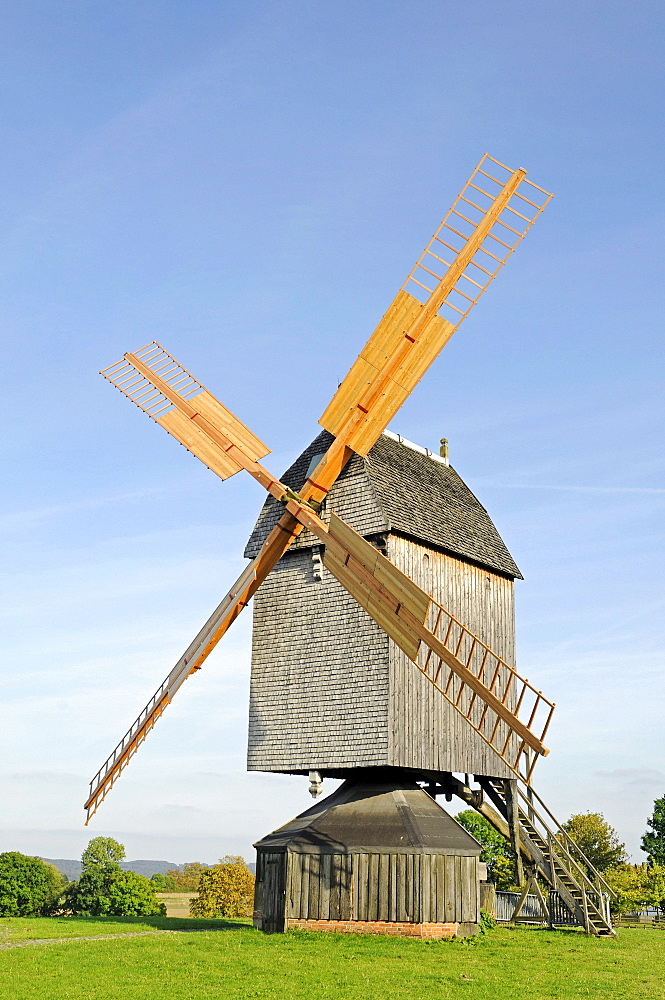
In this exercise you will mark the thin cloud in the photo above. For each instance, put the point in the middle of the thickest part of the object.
(635, 776)
(24, 518)
(574, 489)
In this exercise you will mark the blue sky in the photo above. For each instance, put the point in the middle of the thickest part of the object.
(249, 184)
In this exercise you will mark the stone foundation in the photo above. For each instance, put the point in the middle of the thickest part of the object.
(401, 929)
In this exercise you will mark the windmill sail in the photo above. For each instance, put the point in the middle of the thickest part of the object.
(474, 241)
(190, 661)
(159, 385)
(398, 605)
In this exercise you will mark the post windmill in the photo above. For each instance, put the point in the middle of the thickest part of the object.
(396, 667)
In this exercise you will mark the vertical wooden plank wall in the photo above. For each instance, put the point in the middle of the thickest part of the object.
(269, 894)
(425, 731)
(414, 888)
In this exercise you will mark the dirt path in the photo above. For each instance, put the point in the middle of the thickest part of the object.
(7, 945)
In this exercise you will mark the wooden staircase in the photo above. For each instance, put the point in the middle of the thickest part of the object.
(546, 846)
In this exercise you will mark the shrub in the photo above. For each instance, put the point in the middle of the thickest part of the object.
(28, 886)
(636, 887)
(496, 850)
(597, 839)
(187, 880)
(104, 889)
(163, 883)
(226, 890)
(113, 893)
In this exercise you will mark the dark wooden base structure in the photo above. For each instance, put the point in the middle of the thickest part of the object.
(375, 857)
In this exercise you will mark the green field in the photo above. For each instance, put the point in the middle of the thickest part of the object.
(197, 959)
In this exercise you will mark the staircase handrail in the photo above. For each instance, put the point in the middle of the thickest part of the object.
(564, 839)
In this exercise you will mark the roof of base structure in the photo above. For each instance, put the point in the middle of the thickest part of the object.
(397, 488)
(389, 816)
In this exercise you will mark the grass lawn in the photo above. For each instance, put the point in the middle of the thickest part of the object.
(235, 961)
(15, 929)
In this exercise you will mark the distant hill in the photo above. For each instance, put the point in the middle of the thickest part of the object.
(72, 869)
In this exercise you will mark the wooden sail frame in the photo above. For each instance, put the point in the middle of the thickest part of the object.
(412, 334)
(407, 341)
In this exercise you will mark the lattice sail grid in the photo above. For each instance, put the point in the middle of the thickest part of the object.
(469, 210)
(103, 781)
(527, 705)
(124, 376)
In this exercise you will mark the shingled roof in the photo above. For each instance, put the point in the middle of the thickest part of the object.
(399, 489)
(383, 816)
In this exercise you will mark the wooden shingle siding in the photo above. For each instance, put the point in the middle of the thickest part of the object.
(329, 690)
(319, 684)
(412, 888)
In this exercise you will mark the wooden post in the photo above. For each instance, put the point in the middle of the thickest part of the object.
(520, 902)
(545, 906)
(529, 793)
(512, 808)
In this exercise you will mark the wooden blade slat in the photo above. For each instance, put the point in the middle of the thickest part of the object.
(374, 356)
(172, 397)
(195, 439)
(392, 625)
(369, 371)
(380, 347)
(230, 425)
(398, 584)
(198, 442)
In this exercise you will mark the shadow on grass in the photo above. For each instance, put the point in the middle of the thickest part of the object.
(175, 923)
(543, 928)
(190, 923)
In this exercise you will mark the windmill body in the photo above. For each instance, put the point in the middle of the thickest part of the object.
(332, 695)
(330, 691)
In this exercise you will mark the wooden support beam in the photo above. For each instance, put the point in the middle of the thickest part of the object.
(512, 806)
(522, 898)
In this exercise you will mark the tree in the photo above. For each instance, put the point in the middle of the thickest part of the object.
(496, 851)
(162, 883)
(225, 890)
(597, 840)
(132, 895)
(113, 893)
(28, 886)
(104, 889)
(636, 887)
(653, 841)
(102, 854)
(187, 880)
